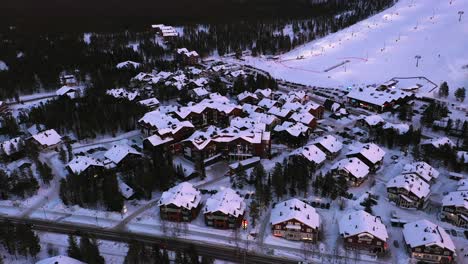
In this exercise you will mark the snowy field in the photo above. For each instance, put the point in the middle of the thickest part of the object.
(382, 47)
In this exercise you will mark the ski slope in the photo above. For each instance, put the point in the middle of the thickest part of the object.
(384, 46)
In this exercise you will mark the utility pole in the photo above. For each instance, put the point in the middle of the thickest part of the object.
(460, 13)
(417, 57)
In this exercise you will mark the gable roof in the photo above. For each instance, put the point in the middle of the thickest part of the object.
(59, 260)
(82, 163)
(422, 169)
(426, 233)
(370, 151)
(359, 222)
(457, 199)
(330, 143)
(118, 152)
(227, 202)
(182, 195)
(11, 146)
(412, 183)
(311, 153)
(295, 209)
(353, 166)
(294, 129)
(438, 142)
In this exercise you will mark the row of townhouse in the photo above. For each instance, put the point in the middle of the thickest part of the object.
(455, 205)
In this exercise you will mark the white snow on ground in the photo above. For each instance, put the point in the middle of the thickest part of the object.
(87, 37)
(3, 66)
(384, 46)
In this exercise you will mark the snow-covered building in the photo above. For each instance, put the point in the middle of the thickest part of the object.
(187, 57)
(150, 103)
(68, 80)
(209, 112)
(12, 147)
(371, 154)
(267, 103)
(311, 153)
(165, 126)
(422, 169)
(198, 94)
(70, 91)
(435, 144)
(305, 118)
(428, 242)
(60, 260)
(363, 231)
(400, 129)
(264, 93)
(247, 97)
(122, 156)
(122, 93)
(292, 133)
(330, 145)
(47, 139)
(378, 101)
(180, 203)
(167, 32)
(370, 122)
(224, 210)
(455, 208)
(295, 220)
(408, 191)
(84, 165)
(353, 169)
(230, 143)
(280, 112)
(3, 107)
(128, 65)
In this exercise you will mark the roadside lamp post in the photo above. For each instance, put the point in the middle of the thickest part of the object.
(460, 13)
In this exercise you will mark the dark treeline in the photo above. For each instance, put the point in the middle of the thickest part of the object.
(19, 240)
(36, 58)
(88, 15)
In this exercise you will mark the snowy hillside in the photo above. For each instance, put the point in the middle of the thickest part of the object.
(385, 46)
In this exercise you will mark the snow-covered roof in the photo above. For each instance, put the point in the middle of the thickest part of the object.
(426, 233)
(237, 73)
(359, 222)
(373, 120)
(294, 129)
(48, 138)
(156, 140)
(279, 111)
(221, 105)
(422, 169)
(11, 146)
(200, 82)
(311, 153)
(65, 90)
(164, 123)
(462, 156)
(412, 183)
(353, 166)
(375, 97)
(128, 64)
(263, 118)
(462, 185)
(370, 151)
(303, 117)
(150, 102)
(267, 103)
(264, 92)
(330, 143)
(60, 260)
(118, 152)
(201, 138)
(125, 190)
(438, 142)
(249, 108)
(122, 93)
(400, 128)
(297, 210)
(457, 199)
(3, 66)
(247, 122)
(227, 202)
(182, 50)
(81, 163)
(182, 195)
(200, 91)
(242, 96)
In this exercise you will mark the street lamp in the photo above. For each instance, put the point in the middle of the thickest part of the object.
(417, 57)
(460, 13)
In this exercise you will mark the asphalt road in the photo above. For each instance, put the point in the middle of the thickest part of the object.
(216, 251)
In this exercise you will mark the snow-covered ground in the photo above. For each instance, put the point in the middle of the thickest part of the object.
(384, 46)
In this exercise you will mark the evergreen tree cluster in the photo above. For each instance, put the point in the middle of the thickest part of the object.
(330, 186)
(19, 240)
(20, 183)
(86, 117)
(91, 190)
(392, 138)
(434, 111)
(140, 253)
(87, 251)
